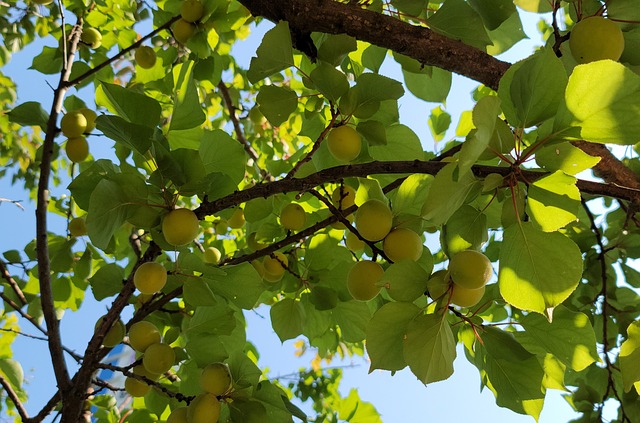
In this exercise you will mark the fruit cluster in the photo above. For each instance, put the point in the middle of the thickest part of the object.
(191, 12)
(74, 125)
(463, 283)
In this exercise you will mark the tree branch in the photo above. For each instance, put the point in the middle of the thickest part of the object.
(337, 173)
(314, 148)
(12, 283)
(13, 396)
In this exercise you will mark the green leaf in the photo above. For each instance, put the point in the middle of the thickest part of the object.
(493, 12)
(187, 110)
(287, 318)
(273, 399)
(241, 285)
(12, 370)
(107, 281)
(513, 374)
(553, 201)
(83, 185)
(330, 81)
(439, 122)
(601, 99)
(277, 103)
(411, 194)
(334, 48)
(274, 54)
(466, 229)
(538, 270)
(206, 349)
(484, 117)
(429, 348)
(405, 280)
(221, 153)
(217, 319)
(136, 137)
(128, 104)
(446, 194)
(385, 333)
(433, 86)
(353, 318)
(29, 113)
(402, 144)
(535, 6)
(457, 20)
(353, 409)
(507, 35)
(373, 131)
(565, 157)
(532, 90)
(630, 358)
(570, 337)
(49, 61)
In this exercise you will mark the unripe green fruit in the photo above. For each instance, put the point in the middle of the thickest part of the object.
(470, 269)
(344, 143)
(273, 269)
(183, 30)
(254, 244)
(178, 415)
(236, 221)
(77, 227)
(136, 388)
(142, 334)
(92, 37)
(354, 243)
(73, 124)
(141, 371)
(77, 149)
(90, 116)
(343, 197)
(438, 284)
(293, 217)
(205, 408)
(180, 227)
(191, 10)
(374, 220)
(158, 358)
(596, 38)
(466, 297)
(362, 280)
(402, 244)
(211, 255)
(221, 226)
(115, 335)
(216, 379)
(257, 264)
(150, 277)
(145, 57)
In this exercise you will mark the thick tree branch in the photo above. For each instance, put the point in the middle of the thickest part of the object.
(421, 43)
(337, 173)
(13, 396)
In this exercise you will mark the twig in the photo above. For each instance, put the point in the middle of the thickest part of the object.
(16, 202)
(559, 39)
(12, 283)
(120, 54)
(605, 315)
(13, 396)
(314, 148)
(224, 91)
(77, 357)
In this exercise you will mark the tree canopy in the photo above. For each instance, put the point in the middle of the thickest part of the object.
(293, 183)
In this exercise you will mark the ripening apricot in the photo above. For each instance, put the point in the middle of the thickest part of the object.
(136, 388)
(470, 269)
(73, 124)
(211, 255)
(236, 221)
(596, 38)
(92, 37)
(402, 244)
(114, 335)
(158, 358)
(354, 243)
(150, 277)
(145, 57)
(180, 227)
(253, 243)
(343, 197)
(77, 149)
(344, 143)
(464, 297)
(77, 227)
(273, 267)
(183, 31)
(362, 280)
(191, 10)
(216, 379)
(91, 117)
(205, 408)
(178, 415)
(374, 220)
(142, 334)
(293, 217)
